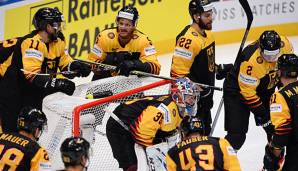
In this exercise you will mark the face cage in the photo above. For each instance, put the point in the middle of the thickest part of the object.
(186, 108)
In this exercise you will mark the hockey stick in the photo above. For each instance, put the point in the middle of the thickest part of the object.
(172, 79)
(51, 74)
(140, 73)
(249, 16)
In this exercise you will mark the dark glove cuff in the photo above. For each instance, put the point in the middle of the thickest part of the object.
(41, 80)
(280, 141)
(262, 115)
(140, 66)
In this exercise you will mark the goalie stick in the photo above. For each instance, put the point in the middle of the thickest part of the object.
(140, 73)
(249, 16)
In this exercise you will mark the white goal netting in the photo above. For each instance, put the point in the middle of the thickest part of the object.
(59, 110)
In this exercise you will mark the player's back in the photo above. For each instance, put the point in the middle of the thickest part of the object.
(202, 153)
(20, 153)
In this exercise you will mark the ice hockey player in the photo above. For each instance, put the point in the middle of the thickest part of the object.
(20, 151)
(75, 153)
(149, 121)
(283, 113)
(250, 84)
(31, 75)
(199, 152)
(194, 56)
(125, 47)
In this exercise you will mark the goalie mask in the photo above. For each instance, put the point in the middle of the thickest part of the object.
(75, 151)
(186, 95)
(31, 119)
(270, 44)
(287, 65)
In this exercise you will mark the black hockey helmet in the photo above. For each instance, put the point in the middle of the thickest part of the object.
(199, 6)
(129, 12)
(46, 16)
(192, 125)
(270, 44)
(30, 119)
(73, 149)
(288, 65)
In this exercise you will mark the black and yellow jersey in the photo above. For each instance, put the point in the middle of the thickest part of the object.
(6, 51)
(284, 112)
(107, 42)
(194, 56)
(202, 153)
(31, 56)
(148, 117)
(19, 153)
(252, 76)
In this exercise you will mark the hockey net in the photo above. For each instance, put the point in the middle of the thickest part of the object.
(68, 114)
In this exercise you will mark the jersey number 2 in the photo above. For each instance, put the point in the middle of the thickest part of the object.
(11, 157)
(206, 158)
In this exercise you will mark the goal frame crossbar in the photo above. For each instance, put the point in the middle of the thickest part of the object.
(77, 110)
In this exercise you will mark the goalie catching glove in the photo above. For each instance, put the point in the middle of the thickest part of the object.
(81, 69)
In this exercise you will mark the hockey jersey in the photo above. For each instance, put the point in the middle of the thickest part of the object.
(150, 119)
(6, 51)
(107, 42)
(253, 77)
(202, 153)
(19, 153)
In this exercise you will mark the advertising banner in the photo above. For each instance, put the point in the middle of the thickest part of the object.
(160, 20)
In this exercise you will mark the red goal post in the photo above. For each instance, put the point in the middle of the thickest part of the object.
(77, 110)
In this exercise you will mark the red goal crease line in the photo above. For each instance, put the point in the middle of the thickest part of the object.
(77, 110)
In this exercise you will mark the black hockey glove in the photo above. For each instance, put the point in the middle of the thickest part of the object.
(82, 69)
(125, 67)
(271, 162)
(61, 85)
(115, 58)
(262, 118)
(222, 70)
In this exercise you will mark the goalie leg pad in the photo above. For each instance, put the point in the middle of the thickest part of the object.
(156, 156)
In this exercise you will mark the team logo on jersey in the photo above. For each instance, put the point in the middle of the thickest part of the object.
(111, 35)
(194, 33)
(275, 108)
(135, 36)
(282, 44)
(259, 60)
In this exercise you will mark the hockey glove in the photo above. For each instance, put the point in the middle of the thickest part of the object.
(115, 58)
(271, 162)
(61, 85)
(222, 70)
(125, 67)
(82, 69)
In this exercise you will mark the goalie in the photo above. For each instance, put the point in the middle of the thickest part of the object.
(149, 121)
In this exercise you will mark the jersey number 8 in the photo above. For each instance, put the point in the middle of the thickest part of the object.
(11, 158)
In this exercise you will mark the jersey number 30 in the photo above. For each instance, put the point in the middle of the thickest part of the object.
(205, 155)
(11, 158)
